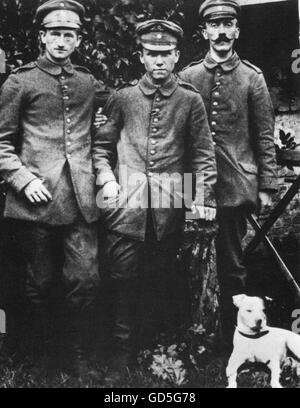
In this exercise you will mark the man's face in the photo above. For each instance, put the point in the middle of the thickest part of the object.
(60, 43)
(221, 34)
(159, 64)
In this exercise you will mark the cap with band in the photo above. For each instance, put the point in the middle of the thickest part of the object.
(60, 13)
(159, 35)
(216, 9)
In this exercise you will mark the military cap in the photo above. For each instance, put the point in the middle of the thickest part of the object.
(60, 13)
(159, 35)
(215, 9)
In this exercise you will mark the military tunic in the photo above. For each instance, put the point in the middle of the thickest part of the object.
(45, 118)
(154, 131)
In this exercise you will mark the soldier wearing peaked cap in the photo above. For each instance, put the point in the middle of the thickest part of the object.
(241, 119)
(216, 9)
(60, 13)
(49, 104)
(156, 127)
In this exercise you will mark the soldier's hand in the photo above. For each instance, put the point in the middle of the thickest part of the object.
(37, 193)
(265, 201)
(205, 213)
(110, 190)
(100, 119)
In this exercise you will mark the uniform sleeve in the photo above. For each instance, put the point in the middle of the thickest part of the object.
(202, 154)
(12, 169)
(105, 142)
(262, 121)
(102, 93)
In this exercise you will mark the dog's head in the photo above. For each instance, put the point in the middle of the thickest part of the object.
(252, 312)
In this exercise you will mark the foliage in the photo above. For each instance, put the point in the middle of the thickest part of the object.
(109, 46)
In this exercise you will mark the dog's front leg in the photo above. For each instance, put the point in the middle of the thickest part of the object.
(234, 363)
(275, 373)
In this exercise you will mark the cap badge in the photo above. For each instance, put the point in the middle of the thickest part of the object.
(62, 4)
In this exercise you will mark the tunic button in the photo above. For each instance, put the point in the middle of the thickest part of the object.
(218, 74)
(155, 120)
(213, 123)
(69, 120)
(153, 142)
(62, 78)
(154, 130)
(214, 143)
(150, 173)
(66, 98)
(217, 94)
(214, 112)
(68, 131)
(153, 152)
(68, 156)
(151, 163)
(218, 83)
(215, 104)
(67, 109)
(213, 133)
(68, 143)
(158, 99)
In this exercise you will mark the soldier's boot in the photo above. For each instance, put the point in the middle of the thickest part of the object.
(41, 357)
(124, 348)
(78, 364)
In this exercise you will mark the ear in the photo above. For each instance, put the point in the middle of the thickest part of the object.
(237, 33)
(177, 52)
(238, 299)
(204, 33)
(42, 36)
(141, 55)
(79, 39)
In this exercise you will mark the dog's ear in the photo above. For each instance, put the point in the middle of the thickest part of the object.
(238, 299)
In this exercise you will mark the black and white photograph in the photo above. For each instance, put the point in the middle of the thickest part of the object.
(149, 196)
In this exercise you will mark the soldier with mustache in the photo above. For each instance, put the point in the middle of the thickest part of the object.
(241, 119)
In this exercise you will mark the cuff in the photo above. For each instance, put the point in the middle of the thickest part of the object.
(20, 179)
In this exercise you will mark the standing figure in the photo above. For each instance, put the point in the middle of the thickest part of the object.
(157, 131)
(46, 110)
(241, 119)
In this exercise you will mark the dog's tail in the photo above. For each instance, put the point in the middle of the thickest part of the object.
(293, 343)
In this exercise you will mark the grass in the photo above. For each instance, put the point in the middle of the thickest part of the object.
(206, 371)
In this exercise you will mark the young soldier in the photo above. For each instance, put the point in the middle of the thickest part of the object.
(155, 129)
(241, 119)
(47, 106)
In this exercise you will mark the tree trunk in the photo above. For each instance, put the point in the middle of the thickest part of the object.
(199, 260)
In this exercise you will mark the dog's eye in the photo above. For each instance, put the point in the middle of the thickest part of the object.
(249, 311)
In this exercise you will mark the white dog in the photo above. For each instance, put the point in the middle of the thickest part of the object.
(254, 341)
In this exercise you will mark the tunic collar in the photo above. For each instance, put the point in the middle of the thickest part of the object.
(167, 89)
(228, 65)
(53, 69)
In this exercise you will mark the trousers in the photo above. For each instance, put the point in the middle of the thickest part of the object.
(66, 254)
(150, 288)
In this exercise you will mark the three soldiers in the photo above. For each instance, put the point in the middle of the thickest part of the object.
(158, 126)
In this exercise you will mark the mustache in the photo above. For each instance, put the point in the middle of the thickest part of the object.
(222, 38)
